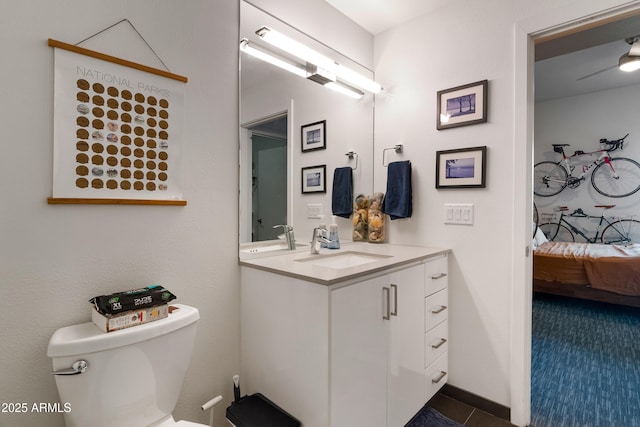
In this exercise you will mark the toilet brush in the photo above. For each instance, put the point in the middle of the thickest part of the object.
(236, 388)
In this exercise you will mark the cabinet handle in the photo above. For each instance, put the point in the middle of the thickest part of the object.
(440, 310)
(440, 344)
(440, 377)
(385, 292)
(395, 300)
(439, 276)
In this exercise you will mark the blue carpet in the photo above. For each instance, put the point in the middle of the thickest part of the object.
(429, 417)
(585, 367)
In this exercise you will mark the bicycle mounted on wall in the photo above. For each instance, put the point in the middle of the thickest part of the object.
(610, 176)
(616, 231)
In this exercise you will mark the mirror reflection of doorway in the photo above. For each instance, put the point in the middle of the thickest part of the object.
(268, 178)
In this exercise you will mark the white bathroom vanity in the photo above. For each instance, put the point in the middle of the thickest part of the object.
(350, 337)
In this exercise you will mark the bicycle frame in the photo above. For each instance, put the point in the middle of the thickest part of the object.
(574, 229)
(603, 157)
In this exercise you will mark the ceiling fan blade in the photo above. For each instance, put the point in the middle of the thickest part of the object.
(597, 72)
(635, 49)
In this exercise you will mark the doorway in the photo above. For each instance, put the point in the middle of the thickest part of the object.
(268, 142)
(566, 43)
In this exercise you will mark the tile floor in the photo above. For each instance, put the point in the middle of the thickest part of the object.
(465, 414)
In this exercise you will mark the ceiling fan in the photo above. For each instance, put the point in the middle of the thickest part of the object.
(628, 62)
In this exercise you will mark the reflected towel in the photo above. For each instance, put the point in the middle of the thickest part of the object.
(342, 194)
(398, 200)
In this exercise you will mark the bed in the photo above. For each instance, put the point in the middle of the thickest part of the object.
(607, 273)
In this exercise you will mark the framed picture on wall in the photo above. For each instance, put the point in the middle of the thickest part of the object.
(462, 105)
(461, 168)
(314, 136)
(314, 179)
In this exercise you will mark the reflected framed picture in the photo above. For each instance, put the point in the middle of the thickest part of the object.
(462, 105)
(314, 179)
(461, 168)
(314, 136)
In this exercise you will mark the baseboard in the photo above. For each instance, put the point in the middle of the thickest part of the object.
(476, 401)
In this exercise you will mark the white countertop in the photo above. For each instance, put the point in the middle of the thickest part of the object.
(297, 264)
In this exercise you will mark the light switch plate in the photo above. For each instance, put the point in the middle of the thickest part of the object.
(458, 213)
(314, 210)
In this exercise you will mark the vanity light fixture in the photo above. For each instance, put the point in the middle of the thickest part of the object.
(269, 57)
(311, 56)
(344, 89)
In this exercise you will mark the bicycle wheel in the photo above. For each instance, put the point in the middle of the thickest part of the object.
(557, 232)
(621, 232)
(549, 179)
(627, 182)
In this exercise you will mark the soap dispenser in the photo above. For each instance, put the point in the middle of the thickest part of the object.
(323, 228)
(334, 240)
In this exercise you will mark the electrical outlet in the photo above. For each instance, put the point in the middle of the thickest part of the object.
(314, 210)
(458, 213)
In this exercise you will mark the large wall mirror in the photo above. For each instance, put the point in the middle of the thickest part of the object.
(275, 106)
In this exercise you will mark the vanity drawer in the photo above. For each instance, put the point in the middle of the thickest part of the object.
(436, 343)
(436, 375)
(436, 275)
(436, 309)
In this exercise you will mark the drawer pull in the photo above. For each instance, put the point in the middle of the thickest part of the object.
(395, 300)
(439, 276)
(386, 293)
(440, 377)
(440, 310)
(440, 344)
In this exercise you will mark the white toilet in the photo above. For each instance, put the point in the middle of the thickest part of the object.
(126, 378)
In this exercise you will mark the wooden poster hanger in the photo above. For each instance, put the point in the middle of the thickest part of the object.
(166, 73)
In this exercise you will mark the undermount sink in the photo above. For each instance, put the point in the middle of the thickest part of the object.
(343, 259)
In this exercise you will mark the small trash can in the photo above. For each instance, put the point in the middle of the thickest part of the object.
(258, 411)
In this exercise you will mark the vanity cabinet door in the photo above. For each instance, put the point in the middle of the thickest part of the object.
(406, 355)
(359, 354)
(377, 350)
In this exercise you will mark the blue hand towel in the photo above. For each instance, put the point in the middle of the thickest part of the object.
(342, 194)
(397, 201)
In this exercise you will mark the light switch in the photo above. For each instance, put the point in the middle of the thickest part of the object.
(314, 210)
(458, 213)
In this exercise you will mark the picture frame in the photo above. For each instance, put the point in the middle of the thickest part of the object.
(314, 136)
(462, 105)
(461, 168)
(314, 179)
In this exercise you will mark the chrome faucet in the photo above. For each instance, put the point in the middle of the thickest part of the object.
(319, 236)
(288, 235)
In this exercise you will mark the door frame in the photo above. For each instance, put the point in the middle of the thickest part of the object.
(244, 170)
(575, 17)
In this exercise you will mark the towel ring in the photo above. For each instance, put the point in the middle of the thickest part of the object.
(351, 154)
(397, 148)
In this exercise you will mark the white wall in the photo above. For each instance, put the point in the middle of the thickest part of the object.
(53, 258)
(581, 121)
(461, 43)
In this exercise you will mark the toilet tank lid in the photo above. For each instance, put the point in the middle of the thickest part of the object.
(87, 338)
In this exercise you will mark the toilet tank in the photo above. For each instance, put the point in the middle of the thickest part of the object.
(134, 375)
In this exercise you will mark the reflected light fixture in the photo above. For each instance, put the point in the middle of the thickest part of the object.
(629, 63)
(269, 57)
(344, 89)
(309, 55)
